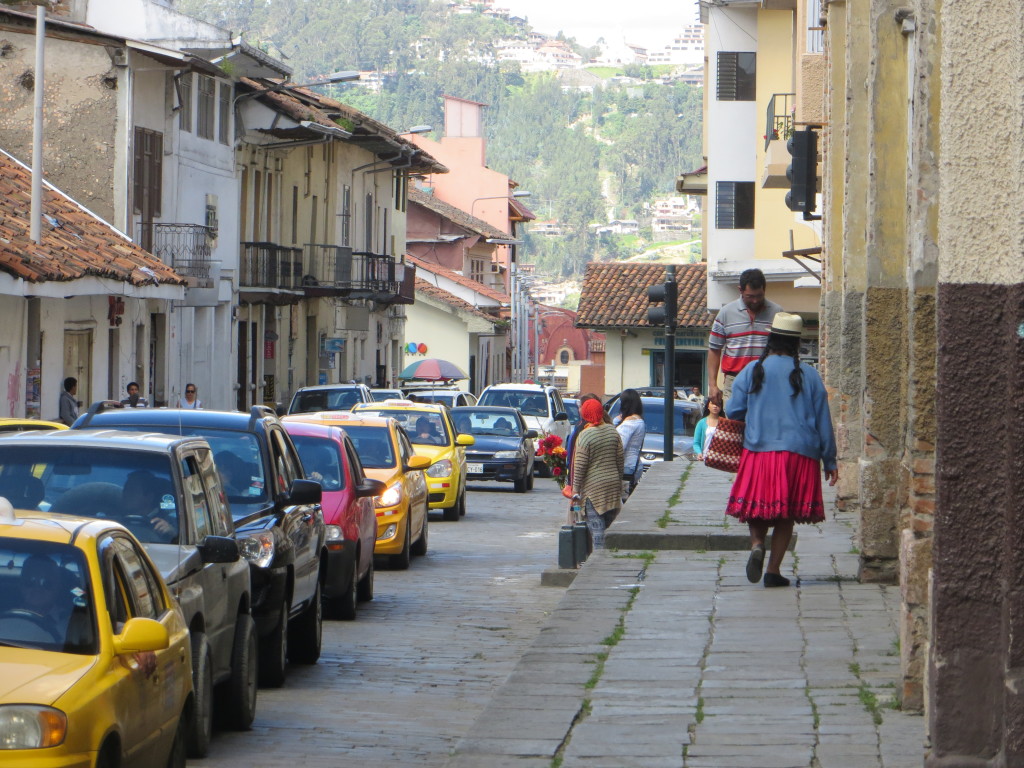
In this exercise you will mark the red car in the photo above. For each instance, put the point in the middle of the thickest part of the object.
(329, 458)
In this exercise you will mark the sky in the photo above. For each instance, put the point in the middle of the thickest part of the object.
(643, 22)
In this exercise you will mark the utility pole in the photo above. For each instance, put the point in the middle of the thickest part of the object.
(668, 292)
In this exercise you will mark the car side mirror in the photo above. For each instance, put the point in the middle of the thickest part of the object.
(417, 462)
(370, 487)
(218, 549)
(304, 492)
(465, 440)
(140, 635)
(561, 416)
(531, 434)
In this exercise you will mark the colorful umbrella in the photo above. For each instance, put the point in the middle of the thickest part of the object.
(432, 369)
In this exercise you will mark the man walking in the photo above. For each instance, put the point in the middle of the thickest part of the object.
(739, 333)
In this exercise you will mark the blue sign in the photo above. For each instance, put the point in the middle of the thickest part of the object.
(334, 345)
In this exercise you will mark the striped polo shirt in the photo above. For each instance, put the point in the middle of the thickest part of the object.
(741, 339)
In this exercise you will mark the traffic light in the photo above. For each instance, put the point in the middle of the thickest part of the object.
(803, 171)
(668, 293)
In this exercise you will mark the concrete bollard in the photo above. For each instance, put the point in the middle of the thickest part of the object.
(566, 548)
(581, 542)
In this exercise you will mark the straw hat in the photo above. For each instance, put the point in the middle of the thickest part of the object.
(786, 324)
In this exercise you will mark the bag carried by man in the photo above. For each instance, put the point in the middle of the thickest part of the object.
(726, 445)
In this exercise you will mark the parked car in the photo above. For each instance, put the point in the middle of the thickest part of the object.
(278, 520)
(572, 409)
(14, 425)
(166, 491)
(453, 398)
(329, 457)
(329, 397)
(431, 431)
(503, 449)
(386, 394)
(687, 414)
(95, 649)
(681, 393)
(541, 406)
(387, 455)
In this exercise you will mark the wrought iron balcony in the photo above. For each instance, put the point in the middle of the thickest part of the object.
(268, 265)
(779, 121)
(337, 270)
(186, 248)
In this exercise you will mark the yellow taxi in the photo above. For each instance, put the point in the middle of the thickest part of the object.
(15, 425)
(433, 435)
(386, 454)
(96, 663)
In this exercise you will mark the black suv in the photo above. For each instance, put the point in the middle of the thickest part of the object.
(278, 521)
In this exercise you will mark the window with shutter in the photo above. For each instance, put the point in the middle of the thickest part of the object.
(206, 107)
(185, 94)
(737, 76)
(224, 114)
(148, 173)
(734, 205)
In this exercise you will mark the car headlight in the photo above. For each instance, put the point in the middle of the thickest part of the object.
(507, 455)
(334, 533)
(257, 548)
(390, 497)
(443, 468)
(25, 726)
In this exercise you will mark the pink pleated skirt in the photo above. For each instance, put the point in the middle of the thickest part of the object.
(777, 485)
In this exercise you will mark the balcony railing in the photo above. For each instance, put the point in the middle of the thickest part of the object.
(338, 270)
(779, 123)
(268, 265)
(186, 248)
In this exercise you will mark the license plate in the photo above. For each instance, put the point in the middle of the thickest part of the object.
(475, 469)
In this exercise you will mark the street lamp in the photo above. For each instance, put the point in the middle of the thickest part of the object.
(516, 193)
(417, 129)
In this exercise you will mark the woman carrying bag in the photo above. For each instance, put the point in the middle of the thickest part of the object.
(632, 430)
(787, 439)
(597, 470)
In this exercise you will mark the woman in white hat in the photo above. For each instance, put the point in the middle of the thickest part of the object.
(788, 437)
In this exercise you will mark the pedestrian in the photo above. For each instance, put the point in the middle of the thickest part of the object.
(570, 440)
(788, 435)
(695, 396)
(68, 405)
(134, 400)
(739, 333)
(597, 470)
(632, 431)
(191, 398)
(705, 428)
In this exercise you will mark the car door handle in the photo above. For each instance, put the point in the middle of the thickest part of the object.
(307, 518)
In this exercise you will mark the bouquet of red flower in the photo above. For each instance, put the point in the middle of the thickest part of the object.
(551, 451)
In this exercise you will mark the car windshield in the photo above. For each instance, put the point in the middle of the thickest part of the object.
(134, 488)
(46, 601)
(311, 401)
(423, 427)
(488, 423)
(683, 423)
(321, 459)
(528, 403)
(444, 398)
(572, 410)
(373, 446)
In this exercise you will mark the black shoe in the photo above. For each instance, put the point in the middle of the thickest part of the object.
(775, 580)
(755, 564)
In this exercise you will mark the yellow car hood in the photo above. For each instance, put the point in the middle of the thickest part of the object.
(39, 677)
(434, 452)
(386, 475)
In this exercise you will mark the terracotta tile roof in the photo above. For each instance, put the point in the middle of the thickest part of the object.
(440, 294)
(456, 215)
(614, 295)
(75, 242)
(455, 277)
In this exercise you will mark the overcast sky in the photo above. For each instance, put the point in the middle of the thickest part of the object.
(646, 22)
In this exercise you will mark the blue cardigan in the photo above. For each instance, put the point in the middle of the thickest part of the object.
(777, 421)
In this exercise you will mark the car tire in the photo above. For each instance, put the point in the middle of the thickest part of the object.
(344, 607)
(240, 708)
(177, 756)
(419, 547)
(364, 591)
(451, 514)
(462, 503)
(529, 480)
(108, 757)
(273, 653)
(306, 633)
(520, 483)
(200, 729)
(400, 562)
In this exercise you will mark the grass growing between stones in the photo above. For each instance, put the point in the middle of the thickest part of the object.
(666, 518)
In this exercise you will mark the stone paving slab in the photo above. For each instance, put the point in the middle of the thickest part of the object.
(658, 656)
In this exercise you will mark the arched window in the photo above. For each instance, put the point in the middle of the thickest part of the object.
(563, 357)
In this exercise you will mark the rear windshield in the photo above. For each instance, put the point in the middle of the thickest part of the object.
(422, 428)
(486, 423)
(373, 446)
(325, 400)
(528, 403)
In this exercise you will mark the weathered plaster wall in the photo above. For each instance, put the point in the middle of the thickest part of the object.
(80, 115)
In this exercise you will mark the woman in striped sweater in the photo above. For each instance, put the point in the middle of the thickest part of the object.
(597, 469)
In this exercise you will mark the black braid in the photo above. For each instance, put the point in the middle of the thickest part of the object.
(796, 376)
(757, 377)
(785, 345)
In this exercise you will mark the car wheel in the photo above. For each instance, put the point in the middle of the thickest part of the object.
(273, 653)
(200, 729)
(364, 592)
(306, 633)
(451, 514)
(400, 562)
(520, 483)
(176, 759)
(344, 607)
(240, 709)
(529, 481)
(108, 755)
(420, 546)
(462, 503)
